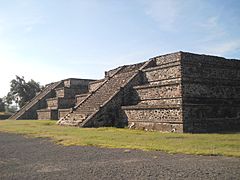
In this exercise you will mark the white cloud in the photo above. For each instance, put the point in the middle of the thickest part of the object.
(212, 28)
(217, 39)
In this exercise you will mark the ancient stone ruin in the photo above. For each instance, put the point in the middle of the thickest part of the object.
(178, 92)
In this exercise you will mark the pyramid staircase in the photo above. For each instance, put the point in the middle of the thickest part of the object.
(147, 95)
(64, 99)
(55, 101)
(95, 109)
(28, 111)
(178, 92)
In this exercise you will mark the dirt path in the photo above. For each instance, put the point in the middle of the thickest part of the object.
(27, 158)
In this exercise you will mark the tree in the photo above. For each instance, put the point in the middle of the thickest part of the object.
(21, 91)
(2, 105)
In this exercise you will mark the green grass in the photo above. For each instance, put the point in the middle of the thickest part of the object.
(201, 144)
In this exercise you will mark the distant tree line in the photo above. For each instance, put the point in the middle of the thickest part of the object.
(2, 105)
(20, 93)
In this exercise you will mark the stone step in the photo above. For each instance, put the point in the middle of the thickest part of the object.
(154, 113)
(161, 117)
(162, 83)
(159, 73)
(163, 106)
(72, 119)
(81, 97)
(159, 101)
(165, 82)
(87, 109)
(157, 126)
(63, 112)
(104, 92)
(86, 112)
(168, 59)
(156, 91)
(163, 66)
(95, 84)
(94, 103)
(80, 116)
(29, 110)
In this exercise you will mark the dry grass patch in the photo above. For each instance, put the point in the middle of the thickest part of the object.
(201, 144)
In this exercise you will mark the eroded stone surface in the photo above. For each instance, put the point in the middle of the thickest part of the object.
(179, 92)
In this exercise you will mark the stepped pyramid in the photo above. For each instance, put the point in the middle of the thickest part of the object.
(178, 92)
(54, 101)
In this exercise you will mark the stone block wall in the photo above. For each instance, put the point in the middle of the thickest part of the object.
(156, 104)
(178, 92)
(155, 114)
(158, 91)
(46, 114)
(63, 112)
(168, 59)
(211, 93)
(70, 92)
(159, 73)
(76, 83)
(59, 104)
(185, 92)
(56, 103)
(32, 112)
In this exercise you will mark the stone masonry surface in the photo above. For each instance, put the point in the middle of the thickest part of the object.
(178, 92)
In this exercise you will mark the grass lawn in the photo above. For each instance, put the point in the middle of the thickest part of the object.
(201, 144)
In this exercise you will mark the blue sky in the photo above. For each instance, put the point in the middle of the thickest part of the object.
(50, 40)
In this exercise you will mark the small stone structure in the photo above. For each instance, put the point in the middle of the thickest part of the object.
(54, 101)
(178, 92)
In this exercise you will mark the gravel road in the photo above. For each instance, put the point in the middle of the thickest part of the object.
(37, 158)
